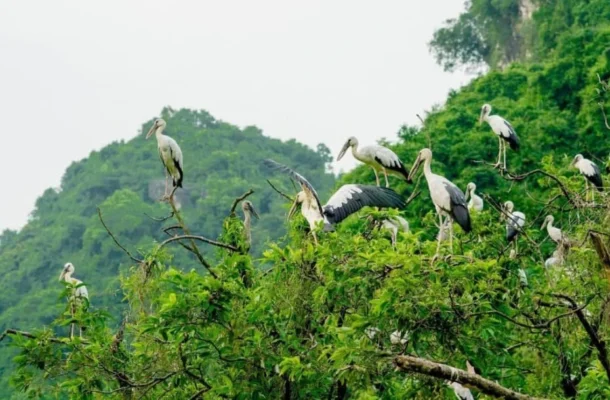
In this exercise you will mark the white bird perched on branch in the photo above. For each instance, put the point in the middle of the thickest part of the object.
(476, 202)
(249, 211)
(377, 157)
(448, 199)
(504, 130)
(555, 233)
(462, 392)
(591, 173)
(170, 153)
(515, 221)
(344, 202)
(394, 225)
(79, 296)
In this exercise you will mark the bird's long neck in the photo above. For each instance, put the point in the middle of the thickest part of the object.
(68, 277)
(247, 221)
(427, 169)
(354, 147)
(159, 132)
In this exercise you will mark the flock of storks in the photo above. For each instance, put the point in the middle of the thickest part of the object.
(449, 201)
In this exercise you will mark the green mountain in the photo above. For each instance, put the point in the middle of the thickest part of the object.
(354, 317)
(124, 180)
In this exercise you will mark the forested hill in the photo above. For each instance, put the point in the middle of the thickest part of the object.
(125, 180)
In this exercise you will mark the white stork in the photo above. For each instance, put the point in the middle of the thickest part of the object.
(515, 221)
(504, 130)
(344, 202)
(591, 173)
(476, 202)
(170, 153)
(448, 199)
(555, 233)
(394, 225)
(556, 258)
(79, 293)
(378, 158)
(397, 337)
(249, 212)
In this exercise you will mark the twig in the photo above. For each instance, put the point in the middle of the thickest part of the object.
(237, 200)
(601, 106)
(99, 213)
(201, 239)
(162, 219)
(423, 124)
(32, 336)
(279, 191)
(446, 372)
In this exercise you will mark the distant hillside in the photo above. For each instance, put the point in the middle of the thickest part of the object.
(123, 179)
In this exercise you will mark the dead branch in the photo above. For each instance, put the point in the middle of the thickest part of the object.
(239, 199)
(161, 219)
(32, 336)
(599, 344)
(601, 106)
(201, 239)
(446, 372)
(99, 213)
(280, 192)
(600, 249)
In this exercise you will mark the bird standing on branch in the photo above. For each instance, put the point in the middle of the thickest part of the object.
(79, 296)
(448, 199)
(476, 202)
(378, 157)
(591, 172)
(505, 131)
(249, 212)
(170, 154)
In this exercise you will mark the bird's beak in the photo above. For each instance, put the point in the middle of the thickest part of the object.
(481, 116)
(467, 194)
(544, 224)
(63, 273)
(293, 209)
(254, 212)
(343, 150)
(152, 129)
(414, 169)
(573, 162)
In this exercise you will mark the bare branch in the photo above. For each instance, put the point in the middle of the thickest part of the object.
(201, 239)
(161, 219)
(32, 336)
(446, 372)
(280, 192)
(237, 200)
(99, 213)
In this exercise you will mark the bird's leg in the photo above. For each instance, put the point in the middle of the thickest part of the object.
(376, 176)
(385, 174)
(440, 232)
(164, 197)
(394, 238)
(504, 151)
(315, 237)
(450, 235)
(72, 321)
(499, 152)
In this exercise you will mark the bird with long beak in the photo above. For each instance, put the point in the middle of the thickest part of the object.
(591, 172)
(555, 233)
(170, 154)
(503, 129)
(377, 157)
(79, 293)
(344, 202)
(448, 199)
(515, 221)
(249, 212)
(476, 202)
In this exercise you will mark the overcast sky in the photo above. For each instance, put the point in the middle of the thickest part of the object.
(77, 75)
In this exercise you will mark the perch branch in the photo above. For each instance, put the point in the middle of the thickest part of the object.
(31, 336)
(280, 192)
(201, 239)
(446, 372)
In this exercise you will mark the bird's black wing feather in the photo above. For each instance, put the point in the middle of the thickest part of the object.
(297, 177)
(596, 178)
(351, 198)
(178, 182)
(512, 139)
(459, 208)
(398, 167)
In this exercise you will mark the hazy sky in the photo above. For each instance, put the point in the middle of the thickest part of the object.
(77, 75)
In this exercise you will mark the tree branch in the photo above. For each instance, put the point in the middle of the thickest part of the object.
(201, 239)
(442, 371)
(237, 200)
(280, 192)
(99, 213)
(31, 336)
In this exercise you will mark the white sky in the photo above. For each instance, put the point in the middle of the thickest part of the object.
(77, 75)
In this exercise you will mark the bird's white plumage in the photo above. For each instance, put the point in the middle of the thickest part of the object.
(397, 337)
(517, 219)
(169, 151)
(476, 202)
(461, 392)
(394, 225)
(343, 195)
(554, 233)
(586, 167)
(499, 126)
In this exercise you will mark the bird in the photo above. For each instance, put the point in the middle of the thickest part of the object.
(79, 295)
(591, 173)
(504, 130)
(476, 202)
(462, 392)
(377, 157)
(556, 258)
(397, 337)
(345, 201)
(555, 233)
(394, 225)
(249, 212)
(515, 221)
(448, 199)
(170, 154)
(522, 277)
